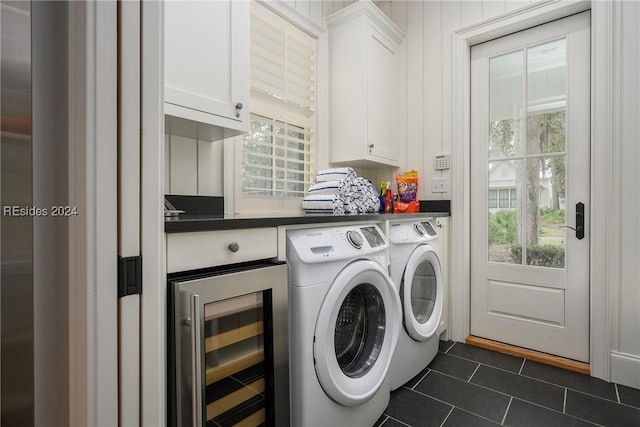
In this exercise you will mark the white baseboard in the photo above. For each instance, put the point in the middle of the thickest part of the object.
(625, 369)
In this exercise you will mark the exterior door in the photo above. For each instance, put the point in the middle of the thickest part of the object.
(530, 178)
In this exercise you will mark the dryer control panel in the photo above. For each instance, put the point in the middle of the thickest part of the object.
(429, 227)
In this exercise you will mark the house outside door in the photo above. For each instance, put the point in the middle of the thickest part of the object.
(530, 178)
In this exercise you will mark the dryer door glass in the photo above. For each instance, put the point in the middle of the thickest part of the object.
(359, 332)
(423, 292)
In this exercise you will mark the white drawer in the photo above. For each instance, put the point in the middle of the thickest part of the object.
(189, 251)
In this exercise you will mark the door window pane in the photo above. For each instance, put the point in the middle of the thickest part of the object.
(505, 213)
(544, 214)
(505, 105)
(546, 97)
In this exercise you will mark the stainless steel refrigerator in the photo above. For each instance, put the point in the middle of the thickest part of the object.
(34, 178)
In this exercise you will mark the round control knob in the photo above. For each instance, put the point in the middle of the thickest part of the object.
(355, 239)
(419, 229)
(234, 247)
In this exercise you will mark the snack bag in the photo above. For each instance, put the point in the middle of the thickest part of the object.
(407, 186)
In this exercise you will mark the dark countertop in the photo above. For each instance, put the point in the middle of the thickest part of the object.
(191, 223)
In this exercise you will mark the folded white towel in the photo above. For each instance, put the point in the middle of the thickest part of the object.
(335, 174)
(326, 187)
(359, 196)
(323, 203)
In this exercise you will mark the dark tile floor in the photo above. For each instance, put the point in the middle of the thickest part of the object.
(470, 386)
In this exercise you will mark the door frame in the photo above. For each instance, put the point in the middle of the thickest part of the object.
(601, 157)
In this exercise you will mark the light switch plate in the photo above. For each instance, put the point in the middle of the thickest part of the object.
(439, 185)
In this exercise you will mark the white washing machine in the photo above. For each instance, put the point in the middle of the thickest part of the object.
(417, 273)
(344, 325)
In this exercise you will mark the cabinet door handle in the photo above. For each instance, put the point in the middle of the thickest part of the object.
(196, 361)
(238, 108)
(371, 146)
(234, 247)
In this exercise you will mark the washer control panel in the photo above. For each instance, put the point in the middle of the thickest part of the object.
(338, 243)
(372, 234)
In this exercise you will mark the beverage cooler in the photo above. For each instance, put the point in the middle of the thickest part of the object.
(228, 347)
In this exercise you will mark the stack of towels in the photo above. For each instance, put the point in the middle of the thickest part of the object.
(340, 191)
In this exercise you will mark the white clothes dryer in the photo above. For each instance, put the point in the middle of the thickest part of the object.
(417, 273)
(344, 325)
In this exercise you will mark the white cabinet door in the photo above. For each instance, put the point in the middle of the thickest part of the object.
(364, 89)
(382, 98)
(207, 67)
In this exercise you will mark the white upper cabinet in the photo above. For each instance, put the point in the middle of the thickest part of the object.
(206, 68)
(364, 86)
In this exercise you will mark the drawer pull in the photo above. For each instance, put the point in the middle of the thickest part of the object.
(234, 247)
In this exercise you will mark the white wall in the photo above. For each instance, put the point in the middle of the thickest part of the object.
(193, 167)
(625, 301)
(429, 29)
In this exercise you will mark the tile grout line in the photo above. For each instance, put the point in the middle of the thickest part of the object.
(474, 372)
(540, 379)
(507, 411)
(482, 363)
(532, 378)
(617, 392)
(385, 420)
(564, 403)
(420, 380)
(450, 347)
(452, 405)
(558, 412)
(389, 417)
(603, 398)
(522, 367)
(461, 380)
(547, 382)
(447, 417)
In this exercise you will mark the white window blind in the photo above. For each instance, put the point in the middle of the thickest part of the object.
(278, 155)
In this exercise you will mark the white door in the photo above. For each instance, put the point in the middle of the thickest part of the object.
(530, 176)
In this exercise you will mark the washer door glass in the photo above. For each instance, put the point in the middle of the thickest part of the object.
(356, 333)
(360, 329)
(422, 293)
(424, 289)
